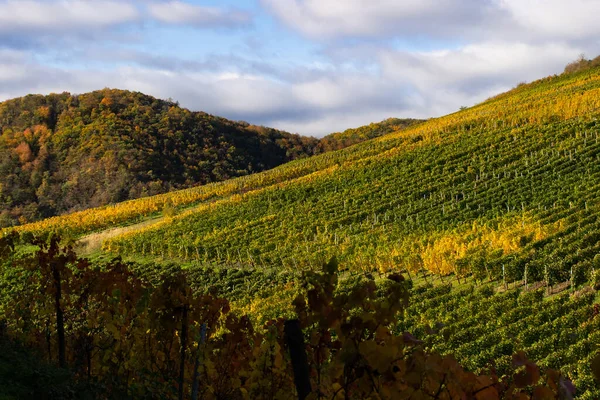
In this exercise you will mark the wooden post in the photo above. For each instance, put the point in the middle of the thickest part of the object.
(571, 278)
(184, 331)
(295, 342)
(547, 280)
(456, 273)
(195, 383)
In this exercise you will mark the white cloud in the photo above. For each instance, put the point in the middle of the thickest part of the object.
(468, 75)
(23, 21)
(20, 17)
(356, 18)
(563, 19)
(502, 42)
(180, 13)
(450, 20)
(493, 62)
(315, 101)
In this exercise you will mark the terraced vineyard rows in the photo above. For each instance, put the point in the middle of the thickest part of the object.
(518, 202)
(547, 101)
(482, 329)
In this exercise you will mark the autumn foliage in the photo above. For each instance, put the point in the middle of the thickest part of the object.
(62, 153)
(124, 335)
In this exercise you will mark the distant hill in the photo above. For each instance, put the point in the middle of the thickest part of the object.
(62, 152)
(340, 140)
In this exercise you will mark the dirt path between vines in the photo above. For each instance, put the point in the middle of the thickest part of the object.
(93, 242)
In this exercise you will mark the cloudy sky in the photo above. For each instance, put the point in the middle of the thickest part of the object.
(307, 66)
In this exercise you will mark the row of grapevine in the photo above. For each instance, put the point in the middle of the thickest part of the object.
(482, 329)
(119, 335)
(411, 211)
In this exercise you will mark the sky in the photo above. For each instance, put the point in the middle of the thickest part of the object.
(306, 66)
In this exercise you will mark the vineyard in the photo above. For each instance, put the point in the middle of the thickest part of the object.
(482, 329)
(468, 200)
(481, 326)
(555, 105)
(510, 198)
(491, 213)
(119, 333)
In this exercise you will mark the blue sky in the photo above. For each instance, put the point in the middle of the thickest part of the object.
(307, 66)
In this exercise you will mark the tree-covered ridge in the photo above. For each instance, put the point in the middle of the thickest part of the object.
(340, 140)
(63, 152)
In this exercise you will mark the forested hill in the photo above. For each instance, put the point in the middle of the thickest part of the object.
(340, 140)
(66, 152)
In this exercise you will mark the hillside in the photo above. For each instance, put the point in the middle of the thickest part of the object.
(505, 191)
(505, 180)
(491, 212)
